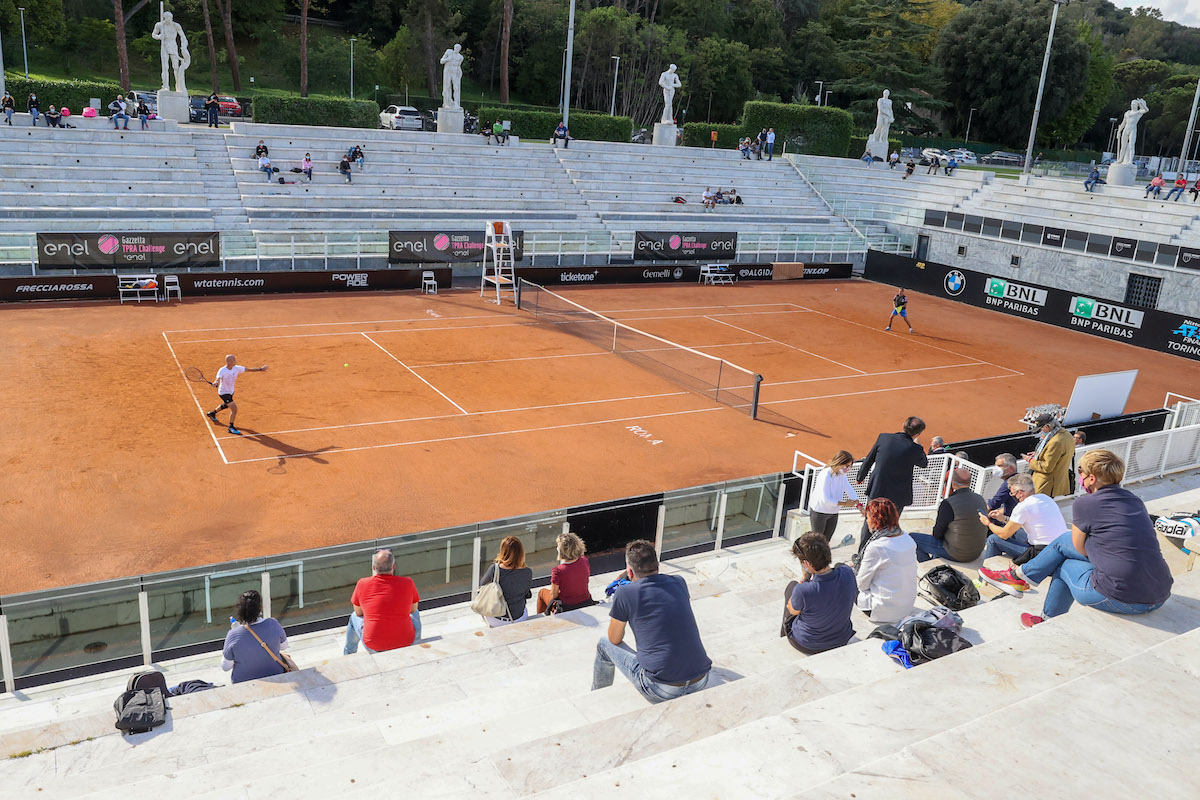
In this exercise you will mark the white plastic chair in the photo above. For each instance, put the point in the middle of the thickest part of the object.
(428, 283)
(171, 284)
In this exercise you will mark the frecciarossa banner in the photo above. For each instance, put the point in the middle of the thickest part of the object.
(1153, 330)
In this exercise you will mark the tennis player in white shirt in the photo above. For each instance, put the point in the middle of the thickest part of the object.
(226, 378)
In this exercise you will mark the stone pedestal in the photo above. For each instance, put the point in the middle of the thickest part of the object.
(878, 149)
(450, 120)
(666, 134)
(173, 105)
(1121, 175)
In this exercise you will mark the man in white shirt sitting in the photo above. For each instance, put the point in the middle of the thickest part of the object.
(1035, 522)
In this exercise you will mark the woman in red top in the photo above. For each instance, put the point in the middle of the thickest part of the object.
(568, 580)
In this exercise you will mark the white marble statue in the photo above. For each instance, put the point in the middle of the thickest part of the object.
(1127, 132)
(884, 117)
(669, 82)
(175, 55)
(452, 61)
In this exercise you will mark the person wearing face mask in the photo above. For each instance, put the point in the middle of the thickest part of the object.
(1050, 462)
(34, 107)
(829, 488)
(1110, 560)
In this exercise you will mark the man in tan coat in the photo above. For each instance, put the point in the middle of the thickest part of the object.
(1051, 462)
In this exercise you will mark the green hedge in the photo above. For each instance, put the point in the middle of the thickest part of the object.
(815, 130)
(541, 124)
(75, 95)
(336, 112)
(858, 146)
(699, 134)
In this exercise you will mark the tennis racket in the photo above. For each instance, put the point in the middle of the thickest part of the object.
(194, 374)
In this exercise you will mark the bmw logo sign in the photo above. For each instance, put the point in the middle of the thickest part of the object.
(955, 282)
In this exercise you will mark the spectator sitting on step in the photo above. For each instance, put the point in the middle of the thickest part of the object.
(385, 615)
(719, 197)
(894, 161)
(356, 155)
(670, 660)
(261, 150)
(867, 158)
(826, 499)
(1035, 522)
(1155, 186)
(733, 198)
(249, 633)
(264, 165)
(1002, 503)
(816, 615)
(485, 130)
(744, 148)
(887, 574)
(958, 534)
(53, 117)
(344, 168)
(1110, 560)
(756, 149)
(1093, 178)
(561, 133)
(1050, 462)
(1177, 189)
(935, 163)
(143, 113)
(9, 104)
(515, 579)
(120, 111)
(909, 168)
(34, 107)
(499, 132)
(1195, 190)
(707, 199)
(568, 587)
(951, 165)
(306, 166)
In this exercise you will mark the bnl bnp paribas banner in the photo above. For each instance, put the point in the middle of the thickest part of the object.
(1148, 328)
(143, 251)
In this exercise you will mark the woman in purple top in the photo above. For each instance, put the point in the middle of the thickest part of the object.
(816, 614)
(1110, 560)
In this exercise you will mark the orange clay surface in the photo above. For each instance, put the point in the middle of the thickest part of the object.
(384, 414)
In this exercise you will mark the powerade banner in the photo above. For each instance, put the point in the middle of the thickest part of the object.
(444, 247)
(142, 251)
(670, 246)
(306, 281)
(74, 287)
(1153, 330)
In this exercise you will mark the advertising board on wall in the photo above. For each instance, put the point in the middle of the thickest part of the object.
(129, 251)
(676, 246)
(443, 247)
(1151, 329)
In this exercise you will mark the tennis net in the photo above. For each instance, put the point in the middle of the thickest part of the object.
(713, 377)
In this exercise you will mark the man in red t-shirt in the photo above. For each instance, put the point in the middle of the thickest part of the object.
(385, 609)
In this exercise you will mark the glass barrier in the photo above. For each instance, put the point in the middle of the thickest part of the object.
(691, 517)
(750, 506)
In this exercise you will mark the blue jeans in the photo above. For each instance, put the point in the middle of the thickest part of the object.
(33, 113)
(212, 118)
(1177, 191)
(347, 174)
(354, 631)
(1150, 189)
(770, 150)
(144, 119)
(929, 547)
(1071, 581)
(268, 170)
(1090, 183)
(609, 655)
(8, 112)
(120, 116)
(1012, 547)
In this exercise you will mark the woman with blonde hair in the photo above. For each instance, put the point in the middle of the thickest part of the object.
(568, 580)
(515, 579)
(829, 489)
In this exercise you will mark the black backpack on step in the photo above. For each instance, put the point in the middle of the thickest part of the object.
(142, 706)
(945, 586)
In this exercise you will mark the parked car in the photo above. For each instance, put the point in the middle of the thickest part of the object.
(1004, 158)
(197, 112)
(229, 106)
(931, 154)
(963, 155)
(400, 118)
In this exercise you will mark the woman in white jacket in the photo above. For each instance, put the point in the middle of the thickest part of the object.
(830, 486)
(887, 574)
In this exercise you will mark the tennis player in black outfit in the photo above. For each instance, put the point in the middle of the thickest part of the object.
(900, 306)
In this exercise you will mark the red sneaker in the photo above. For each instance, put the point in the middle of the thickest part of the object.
(1004, 580)
(1029, 620)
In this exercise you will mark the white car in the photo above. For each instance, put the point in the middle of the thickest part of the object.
(400, 118)
(964, 156)
(931, 154)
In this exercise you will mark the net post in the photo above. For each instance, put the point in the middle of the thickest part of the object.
(517, 294)
(754, 403)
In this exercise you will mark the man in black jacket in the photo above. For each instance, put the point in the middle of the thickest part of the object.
(894, 456)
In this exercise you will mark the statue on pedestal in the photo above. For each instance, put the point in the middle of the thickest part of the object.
(452, 61)
(1127, 132)
(883, 118)
(175, 55)
(669, 82)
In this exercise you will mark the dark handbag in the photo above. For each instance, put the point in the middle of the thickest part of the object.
(555, 607)
(948, 587)
(926, 642)
(1029, 554)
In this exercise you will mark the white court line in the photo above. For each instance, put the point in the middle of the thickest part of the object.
(785, 344)
(876, 374)
(477, 435)
(573, 355)
(879, 391)
(418, 377)
(357, 333)
(195, 399)
(456, 416)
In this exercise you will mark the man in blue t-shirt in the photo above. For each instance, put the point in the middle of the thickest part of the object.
(817, 611)
(670, 660)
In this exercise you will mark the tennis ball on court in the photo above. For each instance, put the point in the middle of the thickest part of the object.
(345, 365)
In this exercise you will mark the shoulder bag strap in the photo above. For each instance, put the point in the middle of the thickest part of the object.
(270, 652)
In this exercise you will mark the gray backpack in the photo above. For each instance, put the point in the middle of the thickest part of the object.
(142, 706)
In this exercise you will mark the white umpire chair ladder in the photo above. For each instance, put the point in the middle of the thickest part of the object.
(498, 261)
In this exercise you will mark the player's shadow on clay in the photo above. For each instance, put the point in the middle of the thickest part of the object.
(286, 450)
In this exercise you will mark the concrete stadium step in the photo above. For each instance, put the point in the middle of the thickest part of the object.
(10, 136)
(119, 144)
(359, 193)
(106, 196)
(120, 162)
(100, 212)
(78, 175)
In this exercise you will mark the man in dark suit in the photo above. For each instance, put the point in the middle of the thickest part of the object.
(894, 456)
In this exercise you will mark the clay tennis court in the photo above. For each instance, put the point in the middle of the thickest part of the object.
(391, 413)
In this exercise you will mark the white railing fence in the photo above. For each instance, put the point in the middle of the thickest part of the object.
(1152, 455)
(931, 484)
(1184, 410)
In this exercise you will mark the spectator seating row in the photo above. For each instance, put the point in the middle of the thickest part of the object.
(882, 193)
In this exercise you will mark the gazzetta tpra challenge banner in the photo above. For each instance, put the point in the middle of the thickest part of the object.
(131, 251)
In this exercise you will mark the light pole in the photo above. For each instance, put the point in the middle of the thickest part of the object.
(567, 65)
(612, 109)
(970, 116)
(827, 93)
(1, 68)
(24, 49)
(820, 88)
(1037, 105)
(1187, 137)
(352, 41)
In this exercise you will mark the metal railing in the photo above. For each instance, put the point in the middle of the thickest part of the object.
(1152, 455)
(930, 484)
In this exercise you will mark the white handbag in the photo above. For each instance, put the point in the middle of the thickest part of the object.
(489, 600)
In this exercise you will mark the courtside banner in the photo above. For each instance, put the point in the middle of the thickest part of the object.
(174, 250)
(1080, 311)
(622, 274)
(72, 287)
(306, 281)
(443, 247)
(674, 246)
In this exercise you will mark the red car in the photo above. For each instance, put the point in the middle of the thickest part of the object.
(230, 107)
